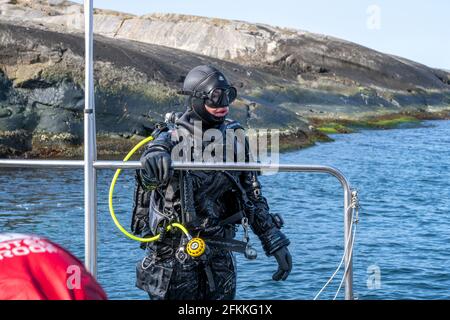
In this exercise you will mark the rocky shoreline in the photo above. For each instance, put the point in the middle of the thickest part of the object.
(115, 147)
(304, 84)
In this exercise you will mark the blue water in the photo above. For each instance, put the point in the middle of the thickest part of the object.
(403, 179)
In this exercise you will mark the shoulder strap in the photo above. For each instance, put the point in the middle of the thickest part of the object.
(232, 124)
(160, 127)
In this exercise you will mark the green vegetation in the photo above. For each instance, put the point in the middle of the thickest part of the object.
(156, 93)
(298, 140)
(126, 82)
(392, 123)
(59, 72)
(334, 127)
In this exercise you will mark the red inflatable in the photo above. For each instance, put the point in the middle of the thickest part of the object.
(33, 268)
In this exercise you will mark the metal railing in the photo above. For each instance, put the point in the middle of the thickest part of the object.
(91, 222)
(90, 165)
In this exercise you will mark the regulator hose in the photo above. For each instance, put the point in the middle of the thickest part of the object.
(111, 207)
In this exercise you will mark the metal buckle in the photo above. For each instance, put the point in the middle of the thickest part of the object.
(250, 252)
(278, 220)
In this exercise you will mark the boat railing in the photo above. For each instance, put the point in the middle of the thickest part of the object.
(91, 215)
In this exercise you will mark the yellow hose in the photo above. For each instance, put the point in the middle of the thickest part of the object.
(111, 208)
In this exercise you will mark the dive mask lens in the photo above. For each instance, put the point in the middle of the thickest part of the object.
(220, 98)
(216, 96)
(232, 94)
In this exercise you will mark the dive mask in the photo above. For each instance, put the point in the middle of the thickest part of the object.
(215, 98)
(219, 98)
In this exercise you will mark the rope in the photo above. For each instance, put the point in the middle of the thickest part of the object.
(346, 267)
(355, 205)
(352, 206)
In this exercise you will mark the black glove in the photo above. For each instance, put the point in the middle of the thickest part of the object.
(284, 261)
(158, 166)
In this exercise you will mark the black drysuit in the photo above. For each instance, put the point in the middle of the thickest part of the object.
(210, 204)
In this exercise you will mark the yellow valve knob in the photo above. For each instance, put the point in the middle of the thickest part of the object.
(196, 247)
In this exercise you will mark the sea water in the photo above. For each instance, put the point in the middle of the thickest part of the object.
(402, 248)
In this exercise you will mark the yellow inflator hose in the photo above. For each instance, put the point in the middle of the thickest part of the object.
(111, 208)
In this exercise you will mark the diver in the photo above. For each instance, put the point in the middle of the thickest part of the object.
(211, 204)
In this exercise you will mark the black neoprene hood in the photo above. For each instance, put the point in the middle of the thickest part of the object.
(199, 83)
(203, 79)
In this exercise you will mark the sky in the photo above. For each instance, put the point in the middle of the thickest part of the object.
(413, 29)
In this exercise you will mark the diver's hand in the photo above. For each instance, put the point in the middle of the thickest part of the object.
(158, 165)
(284, 261)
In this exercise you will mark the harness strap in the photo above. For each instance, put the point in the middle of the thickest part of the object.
(246, 203)
(210, 277)
(233, 219)
(188, 198)
(169, 198)
(226, 244)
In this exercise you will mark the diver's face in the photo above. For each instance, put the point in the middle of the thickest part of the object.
(218, 112)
